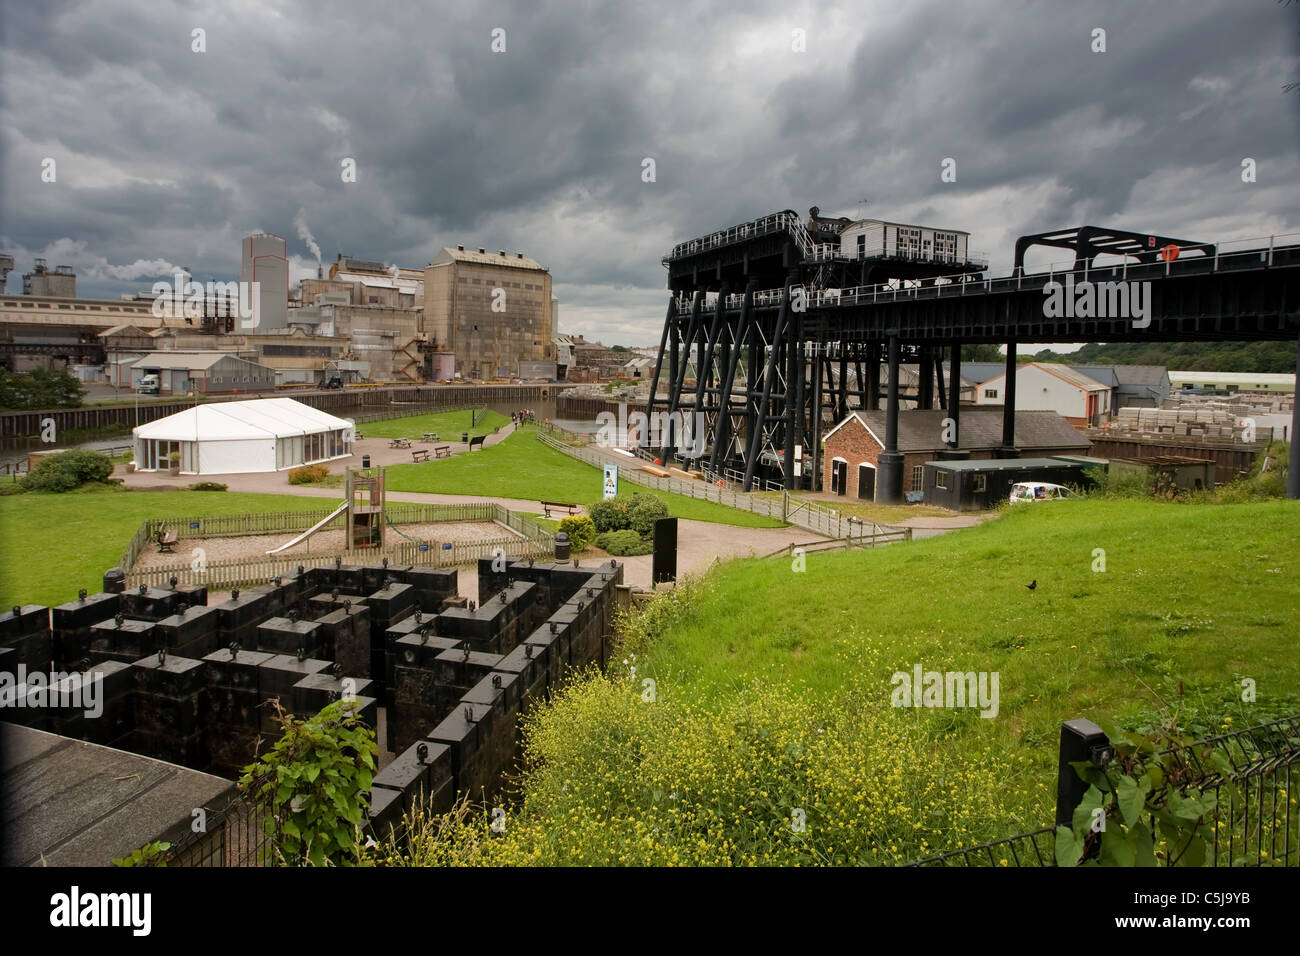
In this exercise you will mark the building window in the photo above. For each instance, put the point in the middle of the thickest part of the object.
(862, 245)
(941, 480)
(981, 483)
(991, 393)
(918, 475)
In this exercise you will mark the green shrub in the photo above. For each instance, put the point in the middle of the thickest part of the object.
(581, 531)
(645, 510)
(623, 543)
(67, 470)
(308, 474)
(610, 514)
(1120, 483)
(314, 782)
(207, 486)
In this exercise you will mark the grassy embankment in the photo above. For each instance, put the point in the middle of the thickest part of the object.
(772, 688)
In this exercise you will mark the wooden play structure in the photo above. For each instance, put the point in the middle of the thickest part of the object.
(365, 502)
(364, 505)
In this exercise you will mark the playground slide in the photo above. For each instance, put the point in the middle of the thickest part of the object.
(313, 529)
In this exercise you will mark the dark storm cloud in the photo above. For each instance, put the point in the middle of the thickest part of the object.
(165, 155)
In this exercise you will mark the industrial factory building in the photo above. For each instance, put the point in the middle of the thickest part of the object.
(493, 311)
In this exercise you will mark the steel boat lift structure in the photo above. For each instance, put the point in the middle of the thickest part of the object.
(777, 328)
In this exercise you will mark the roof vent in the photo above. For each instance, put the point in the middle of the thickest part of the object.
(519, 255)
(482, 251)
(501, 252)
(460, 248)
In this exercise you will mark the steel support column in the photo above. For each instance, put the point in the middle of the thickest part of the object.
(873, 376)
(953, 451)
(815, 440)
(669, 321)
(889, 481)
(722, 428)
(769, 373)
(679, 379)
(1008, 449)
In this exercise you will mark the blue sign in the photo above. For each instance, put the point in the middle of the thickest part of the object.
(424, 547)
(446, 546)
(194, 526)
(611, 481)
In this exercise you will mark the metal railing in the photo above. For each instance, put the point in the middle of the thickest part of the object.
(1257, 256)
(234, 835)
(1255, 826)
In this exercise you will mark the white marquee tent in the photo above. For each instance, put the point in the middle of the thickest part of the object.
(222, 438)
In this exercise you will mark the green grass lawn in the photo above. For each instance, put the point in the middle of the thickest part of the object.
(55, 544)
(522, 467)
(448, 425)
(766, 704)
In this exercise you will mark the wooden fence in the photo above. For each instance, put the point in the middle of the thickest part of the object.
(529, 540)
(797, 511)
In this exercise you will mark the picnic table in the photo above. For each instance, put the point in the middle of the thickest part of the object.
(430, 436)
(400, 443)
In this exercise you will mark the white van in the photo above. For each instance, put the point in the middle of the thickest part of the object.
(1038, 491)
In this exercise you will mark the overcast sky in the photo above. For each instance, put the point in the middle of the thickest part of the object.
(166, 157)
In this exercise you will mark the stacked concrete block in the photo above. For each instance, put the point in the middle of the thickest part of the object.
(25, 632)
(420, 774)
(276, 678)
(283, 635)
(315, 692)
(171, 709)
(233, 686)
(71, 626)
(433, 585)
(193, 631)
(344, 637)
(122, 639)
(92, 705)
(150, 604)
(420, 700)
(240, 615)
(389, 605)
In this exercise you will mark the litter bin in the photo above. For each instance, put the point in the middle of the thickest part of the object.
(464, 437)
(562, 546)
(114, 581)
(365, 461)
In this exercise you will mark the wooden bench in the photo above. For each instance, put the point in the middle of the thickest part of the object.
(421, 454)
(476, 442)
(547, 507)
(167, 541)
(441, 451)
